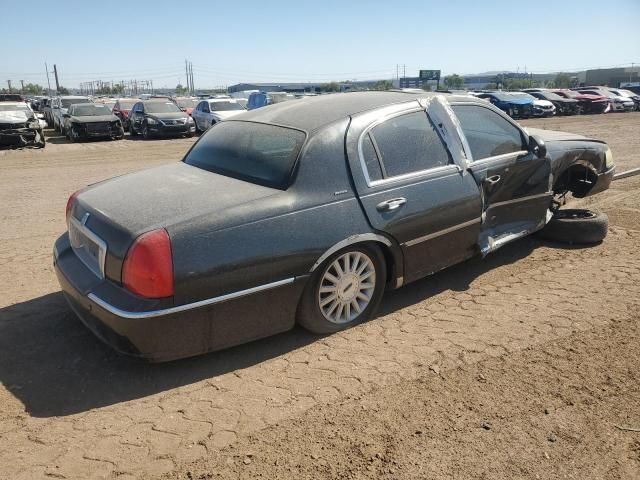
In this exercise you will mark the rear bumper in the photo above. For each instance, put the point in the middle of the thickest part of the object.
(158, 331)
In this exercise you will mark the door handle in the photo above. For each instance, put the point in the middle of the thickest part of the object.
(392, 204)
(493, 180)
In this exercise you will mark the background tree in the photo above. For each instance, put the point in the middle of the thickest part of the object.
(105, 90)
(383, 85)
(180, 90)
(562, 80)
(330, 87)
(118, 88)
(454, 81)
(33, 89)
(63, 91)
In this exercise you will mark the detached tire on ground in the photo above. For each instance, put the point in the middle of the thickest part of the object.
(576, 226)
(344, 291)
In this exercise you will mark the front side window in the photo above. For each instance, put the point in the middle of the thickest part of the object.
(488, 134)
(409, 143)
(253, 152)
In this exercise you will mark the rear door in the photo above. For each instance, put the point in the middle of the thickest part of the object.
(411, 187)
(515, 183)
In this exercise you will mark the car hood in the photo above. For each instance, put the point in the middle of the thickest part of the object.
(518, 101)
(16, 116)
(94, 119)
(168, 195)
(543, 103)
(551, 136)
(223, 115)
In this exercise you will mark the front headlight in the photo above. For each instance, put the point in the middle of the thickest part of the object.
(190, 120)
(151, 121)
(608, 159)
(34, 124)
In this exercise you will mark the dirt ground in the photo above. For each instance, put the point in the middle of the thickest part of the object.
(521, 365)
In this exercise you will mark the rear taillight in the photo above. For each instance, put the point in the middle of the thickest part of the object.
(148, 267)
(70, 203)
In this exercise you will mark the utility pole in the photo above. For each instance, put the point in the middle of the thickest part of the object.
(398, 73)
(404, 71)
(193, 87)
(22, 83)
(9, 83)
(186, 71)
(55, 73)
(46, 69)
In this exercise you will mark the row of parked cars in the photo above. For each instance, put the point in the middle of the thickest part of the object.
(543, 102)
(81, 117)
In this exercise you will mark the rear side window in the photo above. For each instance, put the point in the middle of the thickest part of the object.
(371, 160)
(488, 134)
(409, 143)
(254, 152)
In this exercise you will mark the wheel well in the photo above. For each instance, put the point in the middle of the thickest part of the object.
(388, 259)
(577, 179)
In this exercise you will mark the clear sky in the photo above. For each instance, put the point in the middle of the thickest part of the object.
(249, 41)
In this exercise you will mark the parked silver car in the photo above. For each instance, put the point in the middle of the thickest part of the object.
(212, 110)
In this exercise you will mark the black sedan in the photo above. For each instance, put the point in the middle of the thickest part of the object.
(564, 106)
(160, 117)
(86, 121)
(308, 211)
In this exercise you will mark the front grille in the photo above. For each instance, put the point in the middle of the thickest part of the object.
(101, 128)
(12, 126)
(181, 121)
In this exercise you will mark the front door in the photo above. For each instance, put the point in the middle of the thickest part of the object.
(514, 182)
(411, 188)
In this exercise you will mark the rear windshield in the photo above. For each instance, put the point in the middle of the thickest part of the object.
(66, 102)
(224, 106)
(254, 152)
(127, 103)
(90, 110)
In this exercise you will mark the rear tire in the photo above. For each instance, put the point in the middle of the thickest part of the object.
(575, 226)
(334, 301)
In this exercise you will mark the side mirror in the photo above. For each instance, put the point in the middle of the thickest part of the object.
(537, 146)
(66, 115)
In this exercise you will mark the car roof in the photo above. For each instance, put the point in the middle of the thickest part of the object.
(314, 112)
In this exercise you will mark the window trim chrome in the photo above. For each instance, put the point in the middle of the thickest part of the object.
(498, 158)
(102, 245)
(186, 307)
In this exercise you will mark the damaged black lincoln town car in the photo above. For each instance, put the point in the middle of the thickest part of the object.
(306, 212)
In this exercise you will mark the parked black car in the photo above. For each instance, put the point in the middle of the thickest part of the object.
(564, 106)
(308, 210)
(160, 117)
(85, 121)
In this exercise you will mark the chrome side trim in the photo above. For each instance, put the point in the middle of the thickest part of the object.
(189, 306)
(424, 238)
(521, 199)
(498, 158)
(451, 168)
(359, 238)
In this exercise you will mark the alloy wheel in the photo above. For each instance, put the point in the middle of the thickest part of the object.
(347, 287)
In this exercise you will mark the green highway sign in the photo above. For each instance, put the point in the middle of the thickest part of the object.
(429, 74)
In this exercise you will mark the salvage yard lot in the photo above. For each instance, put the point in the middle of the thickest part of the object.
(470, 358)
